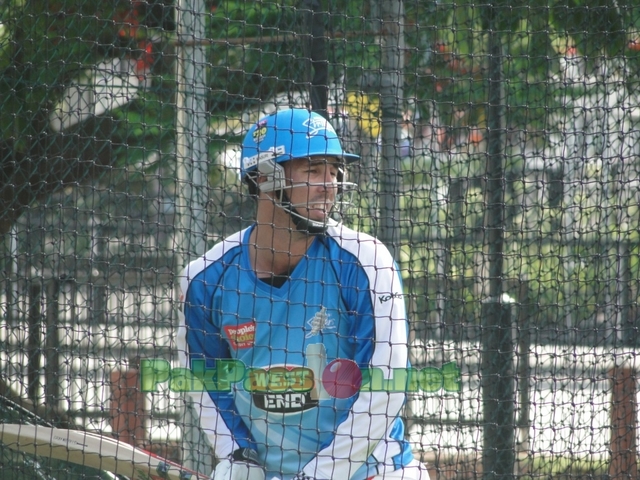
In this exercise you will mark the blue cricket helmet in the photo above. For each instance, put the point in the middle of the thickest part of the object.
(287, 135)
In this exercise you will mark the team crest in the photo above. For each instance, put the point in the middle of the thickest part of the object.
(317, 125)
(320, 322)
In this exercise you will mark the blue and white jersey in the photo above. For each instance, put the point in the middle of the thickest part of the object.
(343, 300)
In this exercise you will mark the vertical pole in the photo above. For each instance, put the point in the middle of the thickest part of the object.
(12, 278)
(192, 130)
(524, 371)
(391, 103)
(624, 326)
(455, 217)
(127, 406)
(315, 55)
(624, 412)
(192, 161)
(34, 348)
(52, 374)
(498, 390)
(98, 285)
(498, 453)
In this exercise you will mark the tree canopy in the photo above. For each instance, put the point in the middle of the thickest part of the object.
(253, 53)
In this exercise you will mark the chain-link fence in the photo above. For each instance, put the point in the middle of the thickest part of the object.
(500, 164)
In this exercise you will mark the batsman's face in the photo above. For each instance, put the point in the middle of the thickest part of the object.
(313, 185)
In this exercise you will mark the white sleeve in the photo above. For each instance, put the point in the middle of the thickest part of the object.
(373, 413)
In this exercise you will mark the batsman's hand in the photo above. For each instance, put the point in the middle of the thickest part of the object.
(242, 464)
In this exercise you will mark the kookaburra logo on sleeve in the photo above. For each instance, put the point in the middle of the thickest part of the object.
(386, 298)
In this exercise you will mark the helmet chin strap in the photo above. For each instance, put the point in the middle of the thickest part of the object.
(302, 223)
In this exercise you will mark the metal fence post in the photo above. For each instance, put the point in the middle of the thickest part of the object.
(52, 375)
(498, 390)
(391, 103)
(34, 342)
(498, 386)
(523, 368)
(192, 160)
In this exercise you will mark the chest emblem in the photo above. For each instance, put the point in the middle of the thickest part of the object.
(320, 322)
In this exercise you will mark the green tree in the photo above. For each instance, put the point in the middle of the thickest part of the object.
(44, 48)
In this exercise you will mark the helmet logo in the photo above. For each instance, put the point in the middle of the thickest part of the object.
(260, 132)
(317, 124)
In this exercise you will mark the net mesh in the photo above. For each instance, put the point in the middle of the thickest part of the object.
(499, 149)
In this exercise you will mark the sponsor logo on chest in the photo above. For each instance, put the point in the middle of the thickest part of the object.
(282, 389)
(241, 336)
(291, 402)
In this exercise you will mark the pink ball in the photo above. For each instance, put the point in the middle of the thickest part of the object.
(342, 378)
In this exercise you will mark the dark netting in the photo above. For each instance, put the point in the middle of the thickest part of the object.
(499, 150)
